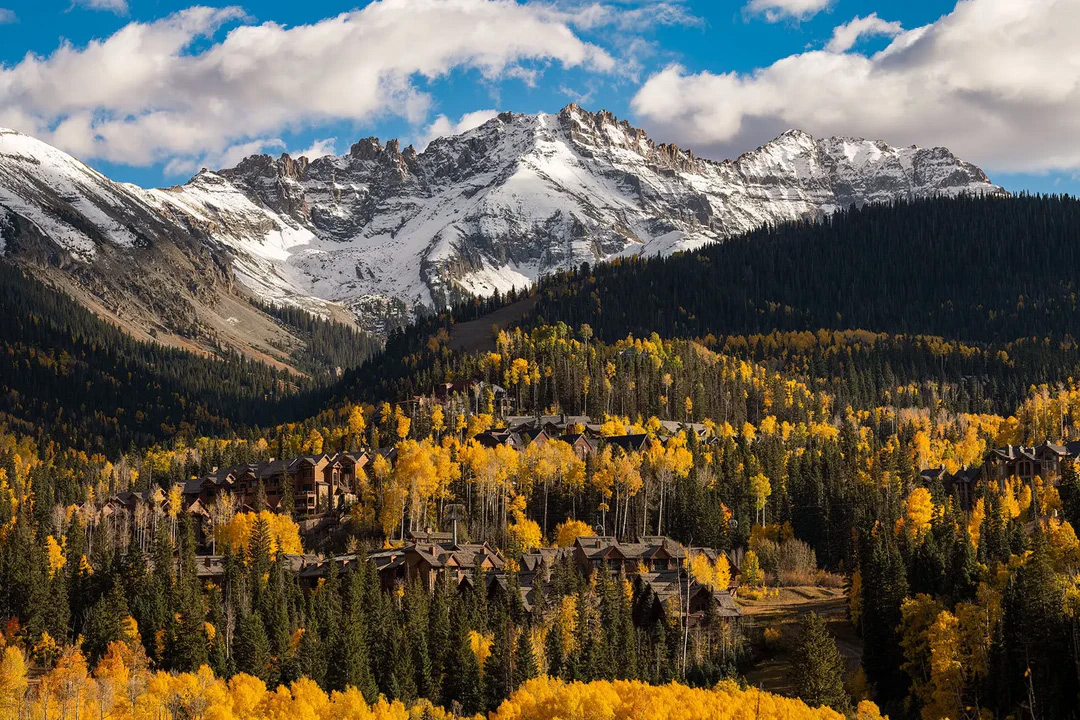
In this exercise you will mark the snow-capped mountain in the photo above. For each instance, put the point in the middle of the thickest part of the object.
(496, 207)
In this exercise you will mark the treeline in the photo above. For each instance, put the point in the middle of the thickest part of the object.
(329, 347)
(68, 376)
(966, 268)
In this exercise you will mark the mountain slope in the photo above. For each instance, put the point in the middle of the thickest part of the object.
(994, 269)
(68, 376)
(156, 272)
(383, 232)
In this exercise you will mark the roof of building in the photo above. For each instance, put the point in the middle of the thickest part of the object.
(649, 547)
(628, 442)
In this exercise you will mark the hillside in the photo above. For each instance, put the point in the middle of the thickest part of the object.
(71, 377)
(975, 269)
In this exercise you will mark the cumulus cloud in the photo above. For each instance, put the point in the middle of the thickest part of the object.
(174, 90)
(226, 158)
(845, 36)
(777, 10)
(120, 7)
(7, 16)
(443, 126)
(318, 149)
(996, 81)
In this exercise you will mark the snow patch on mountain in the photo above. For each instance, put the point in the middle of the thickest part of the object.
(32, 171)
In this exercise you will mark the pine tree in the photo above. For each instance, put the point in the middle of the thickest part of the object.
(525, 665)
(439, 634)
(287, 503)
(1038, 637)
(884, 588)
(104, 623)
(553, 649)
(260, 559)
(252, 651)
(820, 667)
(260, 497)
(312, 656)
(497, 668)
(188, 648)
(462, 683)
(963, 570)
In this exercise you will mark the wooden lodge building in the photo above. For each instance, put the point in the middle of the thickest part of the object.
(320, 484)
(1012, 461)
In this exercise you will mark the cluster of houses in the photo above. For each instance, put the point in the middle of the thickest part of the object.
(325, 483)
(1025, 463)
(655, 565)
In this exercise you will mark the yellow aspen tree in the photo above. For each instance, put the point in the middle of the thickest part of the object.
(13, 682)
(567, 532)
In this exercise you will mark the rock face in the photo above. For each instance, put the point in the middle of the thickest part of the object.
(384, 231)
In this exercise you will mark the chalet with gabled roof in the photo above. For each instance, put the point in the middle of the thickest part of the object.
(652, 553)
(1025, 462)
(429, 561)
(628, 443)
(582, 445)
(669, 593)
(320, 483)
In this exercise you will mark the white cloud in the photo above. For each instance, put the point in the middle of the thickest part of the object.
(630, 15)
(7, 16)
(443, 126)
(120, 7)
(225, 158)
(318, 149)
(777, 10)
(159, 92)
(997, 81)
(845, 36)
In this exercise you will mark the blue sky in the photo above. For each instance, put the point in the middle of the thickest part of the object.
(148, 95)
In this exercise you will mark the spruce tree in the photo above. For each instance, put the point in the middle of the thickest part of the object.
(963, 571)
(820, 668)
(497, 668)
(525, 665)
(884, 588)
(260, 497)
(554, 650)
(252, 650)
(104, 623)
(287, 504)
(439, 634)
(188, 650)
(461, 685)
